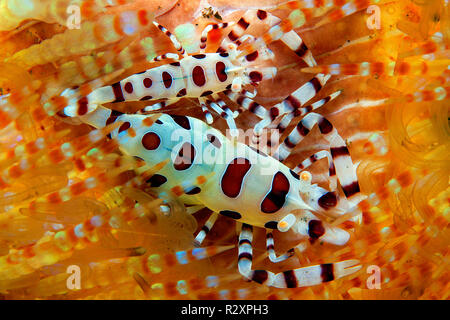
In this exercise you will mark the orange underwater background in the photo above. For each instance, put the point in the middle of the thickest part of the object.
(394, 119)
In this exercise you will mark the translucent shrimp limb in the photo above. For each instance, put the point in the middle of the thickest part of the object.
(108, 28)
(381, 68)
(14, 12)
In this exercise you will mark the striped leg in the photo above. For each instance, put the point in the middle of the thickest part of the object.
(237, 31)
(214, 26)
(205, 229)
(315, 229)
(208, 116)
(345, 169)
(301, 277)
(271, 249)
(294, 101)
(316, 157)
(166, 56)
(223, 111)
(279, 30)
(158, 106)
(172, 38)
(301, 111)
(246, 103)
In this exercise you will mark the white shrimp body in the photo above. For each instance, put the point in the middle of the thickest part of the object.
(247, 185)
(192, 76)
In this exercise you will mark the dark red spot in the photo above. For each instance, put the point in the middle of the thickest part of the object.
(327, 272)
(198, 76)
(253, 106)
(328, 200)
(181, 93)
(128, 87)
(240, 100)
(223, 54)
(295, 175)
(261, 14)
(316, 84)
(156, 180)
(301, 50)
(214, 141)
(118, 94)
(199, 56)
(113, 117)
(271, 225)
(260, 276)
(175, 64)
(206, 93)
(195, 190)
(245, 255)
(151, 141)
(351, 189)
(232, 36)
(339, 152)
(146, 98)
(290, 278)
(243, 24)
(246, 241)
(315, 230)
(167, 79)
(231, 214)
(332, 170)
(110, 120)
(233, 178)
(182, 121)
(124, 126)
(325, 126)
(302, 129)
(289, 143)
(185, 157)
(147, 82)
(255, 76)
(82, 106)
(252, 56)
(275, 199)
(293, 101)
(274, 112)
(220, 71)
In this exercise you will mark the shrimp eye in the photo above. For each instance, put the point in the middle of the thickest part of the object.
(305, 176)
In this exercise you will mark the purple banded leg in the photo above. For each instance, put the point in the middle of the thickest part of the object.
(172, 38)
(158, 106)
(270, 246)
(205, 229)
(345, 169)
(301, 277)
(208, 28)
(316, 157)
